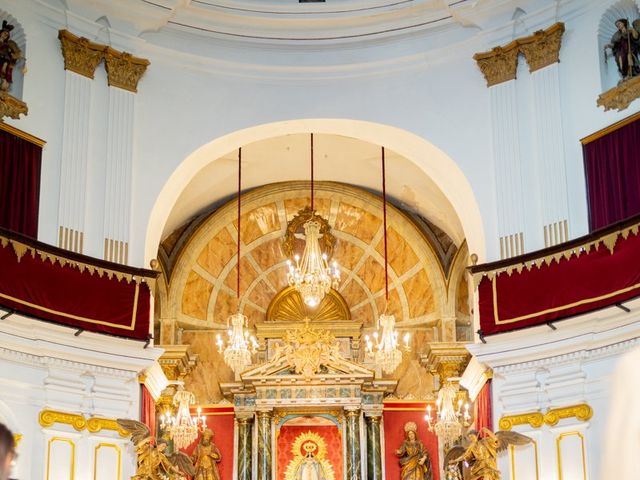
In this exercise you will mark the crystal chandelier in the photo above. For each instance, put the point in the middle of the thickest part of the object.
(240, 346)
(384, 349)
(449, 420)
(311, 275)
(182, 428)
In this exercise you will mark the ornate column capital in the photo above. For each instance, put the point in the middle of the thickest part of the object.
(445, 359)
(124, 70)
(177, 361)
(543, 47)
(500, 64)
(81, 55)
(11, 107)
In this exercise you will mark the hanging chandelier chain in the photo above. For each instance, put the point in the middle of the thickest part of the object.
(312, 208)
(239, 219)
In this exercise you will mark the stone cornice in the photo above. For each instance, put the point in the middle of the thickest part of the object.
(582, 412)
(541, 49)
(621, 96)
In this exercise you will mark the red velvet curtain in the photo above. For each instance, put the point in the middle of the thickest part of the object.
(484, 417)
(612, 169)
(19, 184)
(148, 410)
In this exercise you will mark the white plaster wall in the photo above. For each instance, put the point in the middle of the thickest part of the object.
(44, 366)
(538, 369)
(425, 83)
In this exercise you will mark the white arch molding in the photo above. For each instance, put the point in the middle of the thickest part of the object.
(427, 157)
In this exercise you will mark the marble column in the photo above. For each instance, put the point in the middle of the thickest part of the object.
(354, 470)
(264, 445)
(374, 449)
(245, 434)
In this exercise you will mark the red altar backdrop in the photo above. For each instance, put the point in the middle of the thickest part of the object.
(328, 437)
(74, 290)
(591, 273)
(220, 420)
(395, 415)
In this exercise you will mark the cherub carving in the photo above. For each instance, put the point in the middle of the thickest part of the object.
(153, 461)
(477, 459)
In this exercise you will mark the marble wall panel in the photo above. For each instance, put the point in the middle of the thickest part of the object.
(293, 205)
(278, 278)
(220, 249)
(394, 305)
(210, 370)
(357, 222)
(225, 305)
(372, 274)
(253, 315)
(347, 254)
(258, 222)
(353, 293)
(195, 296)
(400, 255)
(462, 296)
(363, 314)
(247, 275)
(420, 295)
(268, 253)
(261, 295)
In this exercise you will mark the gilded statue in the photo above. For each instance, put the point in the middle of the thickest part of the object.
(478, 458)
(153, 461)
(206, 457)
(625, 46)
(414, 458)
(10, 53)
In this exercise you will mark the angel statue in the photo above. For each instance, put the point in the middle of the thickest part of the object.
(478, 459)
(625, 46)
(153, 461)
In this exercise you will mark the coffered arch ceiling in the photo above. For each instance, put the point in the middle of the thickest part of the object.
(200, 259)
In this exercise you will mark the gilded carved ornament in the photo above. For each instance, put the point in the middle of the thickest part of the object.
(540, 50)
(543, 47)
(124, 70)
(81, 55)
(47, 418)
(11, 107)
(582, 412)
(620, 97)
(326, 240)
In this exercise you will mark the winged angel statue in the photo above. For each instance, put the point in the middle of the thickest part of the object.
(477, 458)
(153, 461)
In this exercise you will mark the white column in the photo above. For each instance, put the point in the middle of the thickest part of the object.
(508, 169)
(73, 165)
(549, 152)
(119, 160)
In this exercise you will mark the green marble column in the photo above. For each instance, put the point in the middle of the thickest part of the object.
(264, 445)
(354, 470)
(374, 451)
(244, 448)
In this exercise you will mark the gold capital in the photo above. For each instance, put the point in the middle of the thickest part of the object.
(80, 54)
(499, 65)
(543, 47)
(124, 70)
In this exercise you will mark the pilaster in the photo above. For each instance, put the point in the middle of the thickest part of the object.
(264, 444)
(354, 468)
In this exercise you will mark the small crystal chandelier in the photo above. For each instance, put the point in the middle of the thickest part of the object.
(240, 347)
(182, 428)
(449, 420)
(311, 275)
(385, 350)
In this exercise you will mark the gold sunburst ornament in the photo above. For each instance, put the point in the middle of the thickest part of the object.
(309, 460)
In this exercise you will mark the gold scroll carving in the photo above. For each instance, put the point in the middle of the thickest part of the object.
(48, 418)
(543, 47)
(582, 412)
(499, 65)
(124, 70)
(540, 50)
(621, 96)
(11, 107)
(81, 55)
(288, 305)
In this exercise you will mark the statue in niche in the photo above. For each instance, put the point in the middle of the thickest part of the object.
(479, 456)
(414, 458)
(10, 53)
(154, 463)
(625, 46)
(310, 469)
(205, 458)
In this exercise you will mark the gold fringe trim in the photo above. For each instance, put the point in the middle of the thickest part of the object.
(21, 249)
(610, 241)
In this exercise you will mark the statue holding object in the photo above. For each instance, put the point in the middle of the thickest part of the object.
(153, 461)
(10, 53)
(478, 458)
(625, 47)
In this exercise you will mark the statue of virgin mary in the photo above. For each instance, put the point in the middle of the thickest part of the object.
(310, 469)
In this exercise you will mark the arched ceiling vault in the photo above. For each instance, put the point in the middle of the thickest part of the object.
(200, 260)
